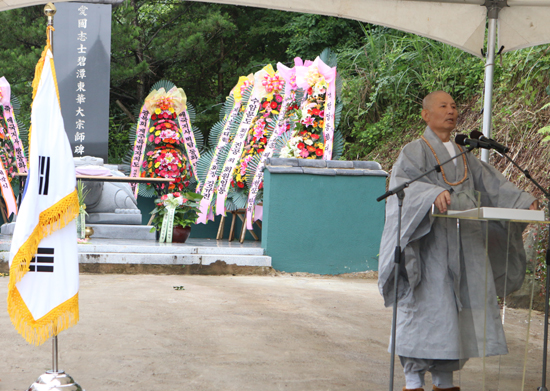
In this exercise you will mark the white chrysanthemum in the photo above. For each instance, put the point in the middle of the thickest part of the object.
(285, 152)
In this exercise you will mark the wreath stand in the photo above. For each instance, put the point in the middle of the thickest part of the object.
(241, 213)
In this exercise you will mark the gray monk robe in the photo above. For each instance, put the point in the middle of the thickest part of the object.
(441, 310)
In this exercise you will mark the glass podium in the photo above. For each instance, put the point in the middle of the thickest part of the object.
(500, 348)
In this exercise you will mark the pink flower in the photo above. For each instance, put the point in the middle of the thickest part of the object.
(164, 197)
(151, 138)
(177, 194)
(279, 98)
(308, 121)
(322, 114)
(304, 153)
(157, 140)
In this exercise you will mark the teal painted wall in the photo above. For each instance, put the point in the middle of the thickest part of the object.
(322, 224)
(200, 231)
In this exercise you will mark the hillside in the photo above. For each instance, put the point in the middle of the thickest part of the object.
(515, 125)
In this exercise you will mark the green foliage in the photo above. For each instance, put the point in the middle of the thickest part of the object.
(386, 79)
(119, 144)
(545, 132)
(23, 39)
(185, 214)
(201, 47)
(204, 48)
(307, 35)
(81, 192)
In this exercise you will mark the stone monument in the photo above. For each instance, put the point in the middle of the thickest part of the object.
(107, 202)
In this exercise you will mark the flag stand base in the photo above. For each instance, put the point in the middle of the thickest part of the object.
(55, 381)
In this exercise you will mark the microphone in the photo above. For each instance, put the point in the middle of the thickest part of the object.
(461, 139)
(477, 135)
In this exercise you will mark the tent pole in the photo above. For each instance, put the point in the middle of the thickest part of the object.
(489, 73)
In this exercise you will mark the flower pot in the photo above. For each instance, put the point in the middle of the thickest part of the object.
(180, 234)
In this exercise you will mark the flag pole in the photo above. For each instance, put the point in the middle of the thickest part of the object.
(49, 11)
(54, 379)
(54, 354)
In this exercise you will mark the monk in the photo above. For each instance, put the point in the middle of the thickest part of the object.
(441, 316)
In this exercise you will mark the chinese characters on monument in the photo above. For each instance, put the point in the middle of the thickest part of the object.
(82, 43)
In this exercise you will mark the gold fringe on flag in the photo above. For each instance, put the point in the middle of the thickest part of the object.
(63, 316)
(52, 219)
(38, 331)
(38, 72)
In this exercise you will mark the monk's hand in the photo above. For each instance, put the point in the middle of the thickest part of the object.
(534, 205)
(442, 201)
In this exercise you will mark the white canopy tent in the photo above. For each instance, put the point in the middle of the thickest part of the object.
(460, 23)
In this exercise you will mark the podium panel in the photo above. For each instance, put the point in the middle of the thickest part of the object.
(486, 263)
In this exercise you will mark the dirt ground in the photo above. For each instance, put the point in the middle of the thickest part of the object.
(257, 333)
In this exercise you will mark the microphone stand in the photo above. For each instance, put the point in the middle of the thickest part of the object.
(546, 302)
(399, 191)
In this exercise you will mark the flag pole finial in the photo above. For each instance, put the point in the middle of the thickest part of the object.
(49, 11)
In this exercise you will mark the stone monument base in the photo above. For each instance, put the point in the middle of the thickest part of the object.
(106, 231)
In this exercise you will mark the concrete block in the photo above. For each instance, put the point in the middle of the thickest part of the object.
(375, 173)
(130, 217)
(317, 163)
(112, 231)
(319, 171)
(339, 164)
(146, 259)
(7, 229)
(366, 165)
(285, 170)
(343, 171)
(277, 161)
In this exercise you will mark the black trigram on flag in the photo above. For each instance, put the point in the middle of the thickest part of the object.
(42, 261)
(43, 174)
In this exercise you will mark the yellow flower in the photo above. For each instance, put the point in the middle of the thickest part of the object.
(171, 110)
(157, 164)
(157, 111)
(152, 130)
(157, 133)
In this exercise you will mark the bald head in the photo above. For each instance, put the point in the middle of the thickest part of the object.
(428, 101)
(440, 113)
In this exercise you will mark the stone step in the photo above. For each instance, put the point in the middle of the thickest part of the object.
(202, 252)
